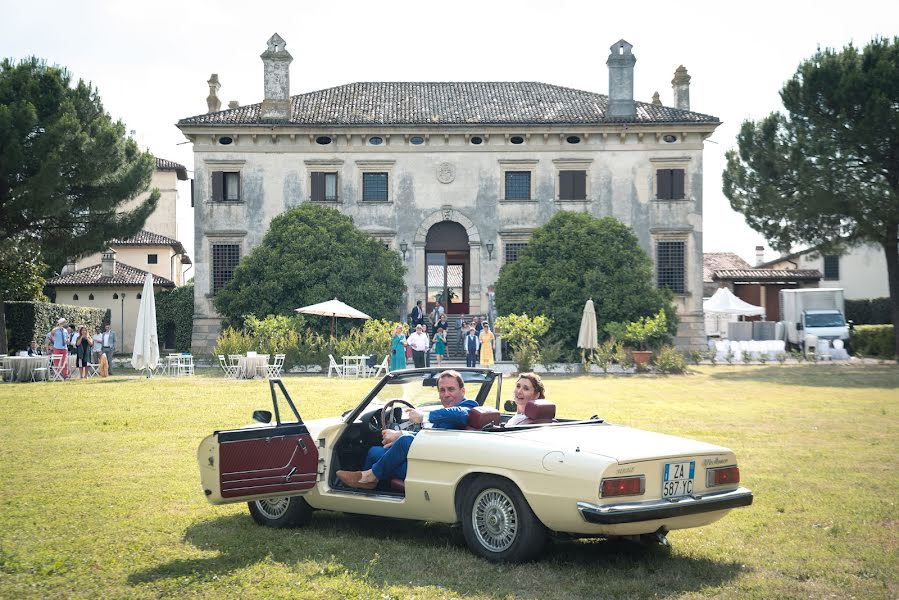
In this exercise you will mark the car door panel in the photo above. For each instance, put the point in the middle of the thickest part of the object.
(268, 460)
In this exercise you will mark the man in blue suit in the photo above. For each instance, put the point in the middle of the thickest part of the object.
(390, 460)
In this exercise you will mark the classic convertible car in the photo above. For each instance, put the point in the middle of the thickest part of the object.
(510, 487)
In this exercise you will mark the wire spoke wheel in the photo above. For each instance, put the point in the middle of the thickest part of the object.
(495, 520)
(273, 508)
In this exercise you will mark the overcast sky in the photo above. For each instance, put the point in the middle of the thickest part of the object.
(150, 60)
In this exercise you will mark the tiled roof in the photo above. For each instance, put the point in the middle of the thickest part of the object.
(93, 276)
(769, 274)
(170, 165)
(714, 261)
(460, 103)
(147, 238)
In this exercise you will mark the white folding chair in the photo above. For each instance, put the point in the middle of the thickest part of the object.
(5, 370)
(57, 367)
(382, 368)
(229, 369)
(333, 367)
(276, 368)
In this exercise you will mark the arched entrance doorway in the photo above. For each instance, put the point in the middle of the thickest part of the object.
(447, 267)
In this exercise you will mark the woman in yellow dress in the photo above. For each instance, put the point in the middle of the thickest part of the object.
(487, 343)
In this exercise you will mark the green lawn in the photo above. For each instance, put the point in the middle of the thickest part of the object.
(100, 496)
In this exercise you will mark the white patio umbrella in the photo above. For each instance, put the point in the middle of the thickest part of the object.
(333, 308)
(146, 340)
(587, 337)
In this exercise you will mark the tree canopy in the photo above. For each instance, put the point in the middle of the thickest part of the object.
(572, 258)
(311, 254)
(826, 173)
(66, 167)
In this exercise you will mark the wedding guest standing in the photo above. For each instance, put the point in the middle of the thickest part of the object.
(487, 343)
(440, 345)
(398, 349)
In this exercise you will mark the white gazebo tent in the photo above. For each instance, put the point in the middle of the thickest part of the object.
(725, 302)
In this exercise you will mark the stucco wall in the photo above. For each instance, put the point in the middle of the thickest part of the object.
(863, 271)
(621, 166)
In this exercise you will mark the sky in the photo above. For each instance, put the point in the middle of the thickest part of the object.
(150, 60)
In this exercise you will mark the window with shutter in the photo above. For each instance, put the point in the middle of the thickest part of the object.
(572, 185)
(225, 186)
(324, 187)
(670, 184)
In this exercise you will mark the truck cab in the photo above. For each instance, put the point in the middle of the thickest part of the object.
(825, 324)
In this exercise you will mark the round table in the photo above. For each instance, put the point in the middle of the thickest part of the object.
(248, 366)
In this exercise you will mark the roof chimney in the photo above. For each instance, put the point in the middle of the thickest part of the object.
(681, 86)
(759, 255)
(621, 80)
(233, 104)
(656, 101)
(69, 268)
(276, 69)
(107, 266)
(212, 100)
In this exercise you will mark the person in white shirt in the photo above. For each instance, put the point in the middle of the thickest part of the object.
(528, 388)
(97, 348)
(419, 343)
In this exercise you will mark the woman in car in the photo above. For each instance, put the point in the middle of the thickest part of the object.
(528, 388)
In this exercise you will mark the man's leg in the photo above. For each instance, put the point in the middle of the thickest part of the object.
(374, 455)
(108, 353)
(393, 462)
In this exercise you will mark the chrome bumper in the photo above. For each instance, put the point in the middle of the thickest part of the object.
(614, 514)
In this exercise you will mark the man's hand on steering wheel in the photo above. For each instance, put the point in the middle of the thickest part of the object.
(389, 420)
(389, 436)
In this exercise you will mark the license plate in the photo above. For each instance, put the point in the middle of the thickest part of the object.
(677, 479)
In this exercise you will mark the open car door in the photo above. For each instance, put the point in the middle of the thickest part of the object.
(266, 461)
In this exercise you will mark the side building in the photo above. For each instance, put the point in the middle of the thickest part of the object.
(453, 176)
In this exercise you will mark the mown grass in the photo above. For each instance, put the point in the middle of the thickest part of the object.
(100, 496)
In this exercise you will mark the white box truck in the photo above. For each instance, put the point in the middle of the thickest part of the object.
(813, 311)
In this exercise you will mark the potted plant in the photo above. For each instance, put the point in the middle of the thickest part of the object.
(644, 334)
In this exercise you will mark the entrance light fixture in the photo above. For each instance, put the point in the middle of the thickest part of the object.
(404, 247)
(489, 247)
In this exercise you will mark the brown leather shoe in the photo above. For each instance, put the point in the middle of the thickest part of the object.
(352, 479)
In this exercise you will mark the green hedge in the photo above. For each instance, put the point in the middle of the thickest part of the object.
(872, 311)
(874, 340)
(176, 306)
(26, 321)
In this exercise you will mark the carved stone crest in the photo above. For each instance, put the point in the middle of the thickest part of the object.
(446, 172)
(447, 214)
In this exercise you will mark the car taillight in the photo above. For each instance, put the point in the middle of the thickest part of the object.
(722, 476)
(622, 486)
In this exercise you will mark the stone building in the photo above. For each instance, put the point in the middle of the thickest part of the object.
(453, 176)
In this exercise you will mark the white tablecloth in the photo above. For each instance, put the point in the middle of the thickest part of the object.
(23, 367)
(247, 366)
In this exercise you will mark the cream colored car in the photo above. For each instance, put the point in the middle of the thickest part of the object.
(510, 488)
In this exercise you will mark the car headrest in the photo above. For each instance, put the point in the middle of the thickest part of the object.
(540, 411)
(481, 416)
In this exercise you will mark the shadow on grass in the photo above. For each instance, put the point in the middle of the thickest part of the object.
(823, 375)
(436, 552)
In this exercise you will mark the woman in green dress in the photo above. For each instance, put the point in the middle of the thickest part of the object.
(440, 345)
(398, 349)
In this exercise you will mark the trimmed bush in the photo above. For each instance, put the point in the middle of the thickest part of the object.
(669, 360)
(176, 307)
(26, 321)
(874, 340)
(871, 311)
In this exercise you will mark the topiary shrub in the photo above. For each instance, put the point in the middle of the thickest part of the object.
(176, 307)
(26, 321)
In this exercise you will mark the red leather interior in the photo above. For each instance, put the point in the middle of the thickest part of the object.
(540, 411)
(267, 465)
(398, 485)
(481, 416)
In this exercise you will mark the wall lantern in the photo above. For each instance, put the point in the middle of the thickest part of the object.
(489, 247)
(404, 247)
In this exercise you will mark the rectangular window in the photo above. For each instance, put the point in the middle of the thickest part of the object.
(513, 250)
(572, 185)
(152, 259)
(670, 184)
(225, 186)
(831, 267)
(374, 187)
(670, 265)
(518, 185)
(224, 259)
(324, 187)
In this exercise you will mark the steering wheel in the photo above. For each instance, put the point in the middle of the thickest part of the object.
(388, 420)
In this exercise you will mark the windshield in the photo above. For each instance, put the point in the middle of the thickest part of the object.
(833, 319)
(420, 389)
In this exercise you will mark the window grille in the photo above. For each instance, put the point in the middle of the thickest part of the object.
(374, 187)
(831, 267)
(513, 250)
(518, 185)
(224, 259)
(670, 266)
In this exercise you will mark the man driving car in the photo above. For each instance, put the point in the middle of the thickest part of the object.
(390, 460)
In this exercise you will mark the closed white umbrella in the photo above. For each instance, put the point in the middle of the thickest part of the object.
(146, 340)
(587, 337)
(333, 308)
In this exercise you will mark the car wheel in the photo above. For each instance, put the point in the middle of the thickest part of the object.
(498, 524)
(281, 512)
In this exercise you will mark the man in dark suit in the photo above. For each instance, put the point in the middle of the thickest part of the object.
(418, 315)
(472, 343)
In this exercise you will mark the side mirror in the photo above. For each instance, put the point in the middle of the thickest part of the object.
(510, 406)
(262, 416)
(851, 324)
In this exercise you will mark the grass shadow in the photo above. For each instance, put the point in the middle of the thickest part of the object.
(817, 375)
(435, 552)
